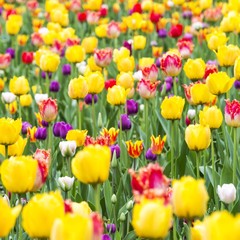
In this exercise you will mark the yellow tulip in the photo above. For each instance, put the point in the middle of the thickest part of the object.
(101, 30)
(81, 208)
(90, 44)
(72, 227)
(189, 197)
(14, 24)
(219, 83)
(19, 85)
(25, 100)
(92, 5)
(121, 53)
(194, 68)
(146, 62)
(12, 107)
(8, 217)
(75, 54)
(78, 136)
(10, 130)
(125, 80)
(151, 218)
(211, 116)
(198, 230)
(22, 39)
(95, 81)
(77, 88)
(134, 21)
(126, 64)
(172, 107)
(49, 62)
(205, 4)
(227, 55)
(197, 137)
(216, 39)
(178, 2)
(50, 37)
(40, 213)
(139, 42)
(38, 54)
(56, 27)
(116, 95)
(92, 164)
(93, 67)
(237, 68)
(59, 16)
(18, 173)
(229, 23)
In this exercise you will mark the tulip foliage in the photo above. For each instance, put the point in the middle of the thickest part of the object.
(119, 119)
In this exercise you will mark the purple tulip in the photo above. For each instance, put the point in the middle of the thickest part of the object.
(11, 51)
(117, 150)
(126, 122)
(128, 45)
(66, 69)
(187, 14)
(237, 84)
(132, 107)
(43, 75)
(88, 98)
(162, 33)
(41, 133)
(54, 86)
(111, 228)
(25, 126)
(106, 237)
(60, 129)
(150, 155)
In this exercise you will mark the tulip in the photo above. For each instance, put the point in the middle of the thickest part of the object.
(103, 57)
(232, 113)
(25, 100)
(157, 144)
(237, 68)
(126, 64)
(19, 85)
(82, 67)
(5, 60)
(49, 62)
(66, 69)
(131, 107)
(198, 230)
(134, 149)
(194, 68)
(89, 44)
(10, 130)
(146, 62)
(90, 98)
(185, 47)
(54, 86)
(78, 136)
(216, 39)
(78, 88)
(41, 133)
(48, 109)
(18, 174)
(39, 97)
(151, 218)
(147, 89)
(95, 82)
(75, 54)
(150, 73)
(40, 213)
(113, 30)
(65, 183)
(10, 51)
(134, 21)
(112, 133)
(193, 195)
(227, 193)
(211, 116)
(8, 97)
(150, 156)
(8, 217)
(60, 129)
(116, 95)
(92, 164)
(27, 57)
(67, 148)
(31, 131)
(125, 80)
(197, 137)
(13, 24)
(125, 121)
(139, 42)
(172, 107)
(175, 31)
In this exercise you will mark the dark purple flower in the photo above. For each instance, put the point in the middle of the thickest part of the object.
(117, 149)
(187, 14)
(132, 107)
(1, 10)
(66, 69)
(111, 228)
(88, 98)
(60, 129)
(25, 126)
(157, 62)
(43, 75)
(126, 123)
(106, 237)
(150, 155)
(11, 51)
(41, 133)
(162, 33)
(237, 84)
(44, 123)
(54, 86)
(168, 87)
(128, 45)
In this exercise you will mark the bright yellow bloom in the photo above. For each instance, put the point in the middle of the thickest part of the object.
(75, 54)
(78, 136)
(172, 107)
(120, 54)
(237, 68)
(189, 197)
(51, 4)
(126, 64)
(56, 27)
(38, 54)
(116, 95)
(198, 230)
(227, 55)
(19, 85)
(139, 42)
(101, 30)
(22, 39)
(2, 83)
(49, 62)
(194, 68)
(147, 5)
(151, 218)
(59, 16)
(31, 134)
(15, 149)
(14, 24)
(133, 21)
(25, 100)
(125, 80)
(8, 217)
(90, 44)
(219, 83)
(216, 39)
(40, 213)
(92, 65)
(50, 37)
(95, 81)
(112, 133)
(92, 164)
(229, 23)
(18, 174)
(12, 107)
(157, 144)
(77, 88)
(10, 130)
(72, 227)
(197, 137)
(146, 62)
(205, 4)
(147, 26)
(178, 2)
(134, 149)
(92, 5)
(211, 116)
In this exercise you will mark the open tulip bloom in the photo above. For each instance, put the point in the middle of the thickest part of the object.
(119, 119)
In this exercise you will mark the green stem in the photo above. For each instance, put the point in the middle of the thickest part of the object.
(189, 230)
(146, 106)
(172, 150)
(196, 114)
(97, 198)
(235, 137)
(197, 165)
(93, 117)
(79, 115)
(69, 167)
(6, 151)
(175, 228)
(19, 107)
(174, 86)
(50, 136)
(47, 84)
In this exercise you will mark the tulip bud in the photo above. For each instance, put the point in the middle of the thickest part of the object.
(114, 160)
(8, 97)
(129, 205)
(39, 97)
(111, 228)
(65, 183)
(67, 148)
(100, 121)
(122, 217)
(114, 199)
(191, 113)
(226, 193)
(138, 75)
(82, 66)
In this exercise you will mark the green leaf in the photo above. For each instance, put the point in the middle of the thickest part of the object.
(107, 191)
(130, 236)
(227, 172)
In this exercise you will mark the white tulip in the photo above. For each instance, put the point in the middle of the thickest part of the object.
(65, 183)
(8, 97)
(82, 66)
(39, 97)
(191, 113)
(67, 148)
(138, 75)
(226, 193)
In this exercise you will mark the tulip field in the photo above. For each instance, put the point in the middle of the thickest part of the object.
(119, 120)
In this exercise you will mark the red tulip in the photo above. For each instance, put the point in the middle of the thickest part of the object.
(176, 31)
(27, 57)
(82, 16)
(110, 83)
(5, 60)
